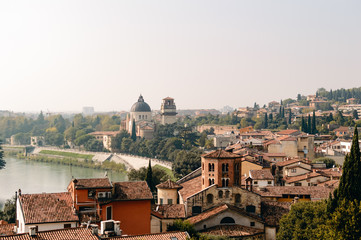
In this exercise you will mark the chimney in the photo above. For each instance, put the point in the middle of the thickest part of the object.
(117, 230)
(94, 229)
(32, 231)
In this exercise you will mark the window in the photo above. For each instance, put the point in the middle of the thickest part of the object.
(220, 194)
(225, 167)
(255, 182)
(91, 193)
(109, 213)
(204, 226)
(196, 210)
(298, 184)
(209, 198)
(210, 181)
(269, 182)
(227, 194)
(237, 198)
(253, 224)
(251, 209)
(170, 201)
(227, 220)
(67, 225)
(161, 200)
(293, 170)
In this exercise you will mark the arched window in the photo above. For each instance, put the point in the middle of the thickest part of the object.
(223, 167)
(196, 210)
(227, 182)
(226, 167)
(209, 198)
(237, 198)
(220, 194)
(223, 182)
(251, 208)
(227, 194)
(210, 182)
(209, 167)
(227, 220)
(213, 167)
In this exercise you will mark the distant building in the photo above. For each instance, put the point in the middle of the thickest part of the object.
(87, 111)
(168, 111)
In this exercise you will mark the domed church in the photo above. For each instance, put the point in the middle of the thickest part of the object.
(142, 115)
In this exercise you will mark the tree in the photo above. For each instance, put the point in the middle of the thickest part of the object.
(183, 226)
(116, 143)
(313, 129)
(9, 212)
(186, 162)
(309, 124)
(159, 175)
(265, 121)
(289, 116)
(94, 145)
(355, 114)
(328, 161)
(303, 125)
(350, 182)
(304, 221)
(2, 161)
(149, 178)
(134, 134)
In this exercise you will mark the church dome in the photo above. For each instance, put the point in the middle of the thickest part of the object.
(140, 106)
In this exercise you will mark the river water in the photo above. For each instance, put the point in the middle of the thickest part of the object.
(38, 177)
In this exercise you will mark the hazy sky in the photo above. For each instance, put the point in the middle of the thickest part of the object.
(63, 55)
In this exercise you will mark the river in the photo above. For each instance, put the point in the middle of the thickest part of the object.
(38, 177)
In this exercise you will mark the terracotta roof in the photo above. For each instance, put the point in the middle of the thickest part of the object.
(169, 184)
(288, 132)
(315, 192)
(341, 129)
(288, 138)
(219, 209)
(302, 177)
(218, 154)
(132, 191)
(168, 98)
(62, 234)
(156, 236)
(87, 183)
(264, 174)
(48, 207)
(191, 187)
(272, 211)
(232, 231)
(289, 162)
(330, 172)
(7, 229)
(330, 183)
(174, 211)
(275, 154)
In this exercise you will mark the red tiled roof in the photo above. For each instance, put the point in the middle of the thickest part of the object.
(302, 177)
(218, 154)
(232, 231)
(169, 184)
(48, 207)
(331, 172)
(87, 183)
(7, 229)
(288, 132)
(62, 234)
(272, 211)
(315, 192)
(191, 187)
(288, 162)
(156, 236)
(132, 191)
(219, 209)
(330, 183)
(173, 211)
(263, 174)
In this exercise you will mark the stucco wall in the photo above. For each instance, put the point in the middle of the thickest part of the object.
(166, 194)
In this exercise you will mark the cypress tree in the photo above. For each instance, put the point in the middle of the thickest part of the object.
(271, 117)
(134, 134)
(289, 116)
(309, 124)
(314, 129)
(149, 177)
(350, 183)
(265, 121)
(2, 161)
(303, 125)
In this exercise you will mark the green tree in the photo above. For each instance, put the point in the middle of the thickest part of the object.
(116, 144)
(126, 145)
(265, 121)
(313, 129)
(289, 116)
(149, 177)
(355, 114)
(309, 124)
(303, 125)
(134, 134)
(350, 182)
(306, 220)
(183, 226)
(159, 175)
(2, 161)
(94, 145)
(186, 162)
(328, 161)
(9, 212)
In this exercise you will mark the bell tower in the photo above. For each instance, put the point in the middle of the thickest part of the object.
(168, 111)
(221, 168)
